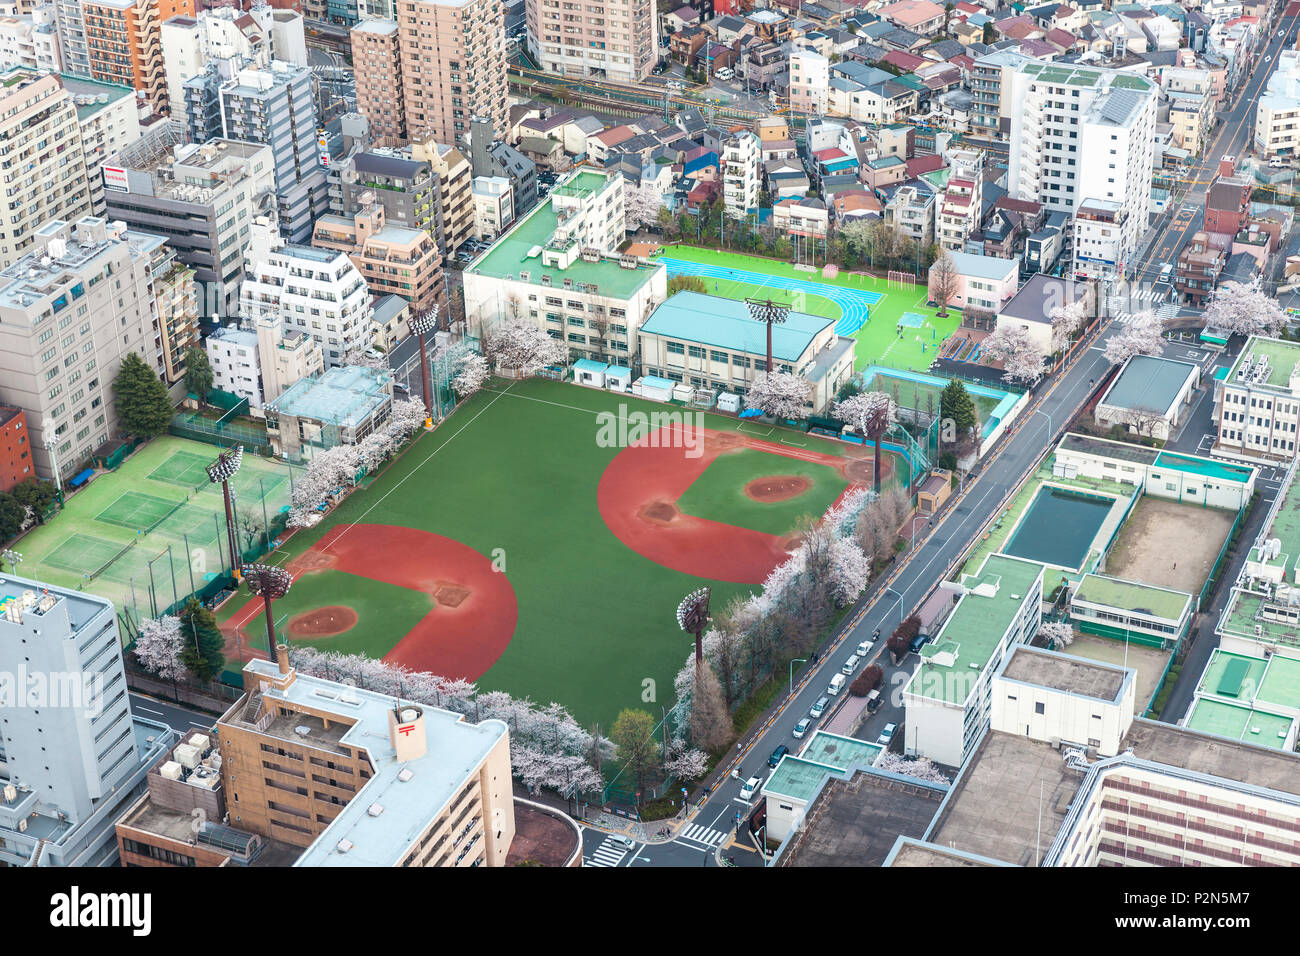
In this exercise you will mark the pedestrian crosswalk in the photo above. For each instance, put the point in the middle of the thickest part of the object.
(610, 853)
(1162, 312)
(698, 833)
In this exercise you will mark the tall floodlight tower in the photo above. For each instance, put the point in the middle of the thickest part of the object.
(772, 313)
(693, 617)
(222, 470)
(271, 583)
(423, 322)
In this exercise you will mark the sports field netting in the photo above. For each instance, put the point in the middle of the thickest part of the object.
(154, 531)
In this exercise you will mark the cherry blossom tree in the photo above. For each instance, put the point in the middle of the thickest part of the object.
(158, 647)
(1244, 309)
(525, 348)
(780, 395)
(850, 571)
(871, 413)
(1021, 356)
(1058, 634)
(361, 358)
(685, 763)
(641, 204)
(407, 418)
(468, 370)
(920, 768)
(1141, 336)
(1066, 321)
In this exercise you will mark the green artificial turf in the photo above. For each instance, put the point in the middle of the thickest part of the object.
(719, 493)
(879, 341)
(516, 468)
(385, 612)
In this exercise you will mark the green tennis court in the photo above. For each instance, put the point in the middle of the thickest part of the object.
(719, 494)
(136, 510)
(184, 468)
(83, 553)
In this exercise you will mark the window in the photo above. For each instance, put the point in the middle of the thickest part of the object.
(1039, 707)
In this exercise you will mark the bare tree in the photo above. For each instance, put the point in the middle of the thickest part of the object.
(711, 727)
(600, 325)
(943, 280)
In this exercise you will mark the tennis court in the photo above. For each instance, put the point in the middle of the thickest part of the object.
(81, 551)
(136, 510)
(183, 468)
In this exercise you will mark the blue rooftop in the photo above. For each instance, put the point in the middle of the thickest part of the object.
(726, 323)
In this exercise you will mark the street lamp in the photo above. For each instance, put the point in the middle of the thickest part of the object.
(793, 661)
(422, 323)
(270, 583)
(222, 470)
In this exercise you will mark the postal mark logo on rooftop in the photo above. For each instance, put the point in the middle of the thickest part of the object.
(75, 909)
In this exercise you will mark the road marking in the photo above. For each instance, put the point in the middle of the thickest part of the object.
(148, 710)
(702, 834)
(611, 852)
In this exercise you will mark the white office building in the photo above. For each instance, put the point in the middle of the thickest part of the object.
(1277, 112)
(317, 292)
(740, 174)
(1079, 133)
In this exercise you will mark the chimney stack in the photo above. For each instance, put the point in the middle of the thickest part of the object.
(282, 657)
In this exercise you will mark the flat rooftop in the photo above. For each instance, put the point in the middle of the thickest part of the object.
(910, 852)
(1087, 445)
(514, 251)
(797, 777)
(1132, 596)
(1149, 383)
(1074, 675)
(1244, 763)
(1247, 724)
(344, 395)
(856, 822)
(974, 628)
(1282, 359)
(835, 750)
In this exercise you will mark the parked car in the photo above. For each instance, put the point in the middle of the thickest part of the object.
(777, 754)
(887, 735)
(801, 728)
(864, 648)
(874, 700)
(850, 664)
(725, 73)
(918, 642)
(1166, 272)
(1277, 163)
(819, 708)
(836, 685)
(750, 788)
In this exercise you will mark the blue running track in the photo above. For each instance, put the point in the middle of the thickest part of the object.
(853, 303)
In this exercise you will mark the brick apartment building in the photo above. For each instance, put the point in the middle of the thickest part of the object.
(15, 453)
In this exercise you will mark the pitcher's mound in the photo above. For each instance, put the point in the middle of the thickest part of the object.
(776, 488)
(451, 595)
(322, 622)
(659, 512)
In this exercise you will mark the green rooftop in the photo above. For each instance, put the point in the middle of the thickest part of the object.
(514, 251)
(1281, 685)
(1232, 675)
(1240, 723)
(798, 778)
(840, 752)
(1245, 614)
(1282, 359)
(975, 627)
(1133, 597)
(1082, 76)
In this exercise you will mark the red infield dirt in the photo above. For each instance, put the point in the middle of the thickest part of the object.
(475, 609)
(776, 488)
(322, 622)
(635, 495)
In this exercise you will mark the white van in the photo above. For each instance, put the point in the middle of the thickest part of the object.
(836, 685)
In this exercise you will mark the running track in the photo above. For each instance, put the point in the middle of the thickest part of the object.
(853, 303)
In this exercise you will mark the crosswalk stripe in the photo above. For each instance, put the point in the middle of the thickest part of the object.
(609, 853)
(702, 834)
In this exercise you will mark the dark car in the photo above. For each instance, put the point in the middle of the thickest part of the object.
(777, 754)
(918, 642)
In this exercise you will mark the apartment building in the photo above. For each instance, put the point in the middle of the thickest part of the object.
(16, 463)
(1258, 404)
(910, 210)
(809, 80)
(1277, 111)
(453, 67)
(393, 260)
(43, 172)
(453, 198)
(30, 40)
(616, 40)
(960, 209)
(276, 107)
(355, 778)
(741, 174)
(1192, 116)
(77, 758)
(71, 37)
(494, 208)
(1080, 133)
(236, 367)
(110, 121)
(558, 266)
(1098, 239)
(990, 114)
(202, 198)
(124, 44)
(176, 304)
(489, 156)
(1199, 266)
(317, 292)
(949, 698)
(70, 311)
(377, 57)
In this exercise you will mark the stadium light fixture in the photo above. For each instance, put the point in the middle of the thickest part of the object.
(693, 616)
(771, 313)
(422, 323)
(271, 584)
(222, 470)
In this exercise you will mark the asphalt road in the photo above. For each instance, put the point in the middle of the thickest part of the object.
(180, 719)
